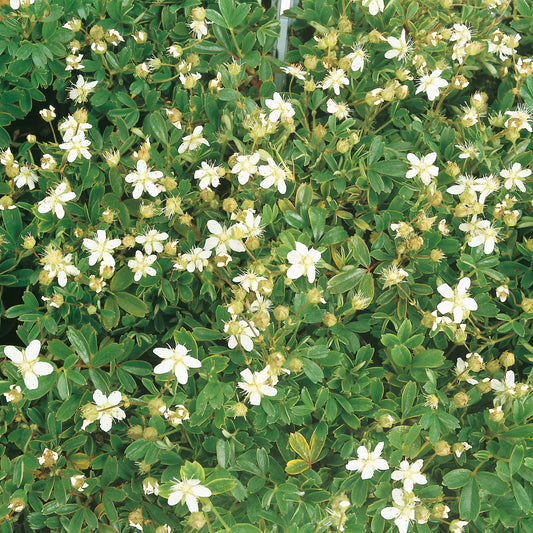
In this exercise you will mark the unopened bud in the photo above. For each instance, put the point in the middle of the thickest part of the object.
(197, 520)
(461, 399)
(493, 366)
(329, 320)
(239, 409)
(135, 432)
(442, 448)
(281, 312)
(496, 414)
(527, 305)
(507, 359)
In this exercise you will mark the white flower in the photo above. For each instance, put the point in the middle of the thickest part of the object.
(78, 482)
(374, 6)
(177, 361)
(487, 185)
(297, 71)
(514, 177)
(502, 293)
(423, 167)
(461, 33)
(273, 175)
(249, 280)
(303, 262)
(399, 47)
(519, 119)
(335, 79)
(150, 486)
(456, 526)
(145, 180)
(16, 4)
(241, 333)
(209, 175)
(14, 394)
(256, 385)
(358, 58)
(465, 183)
(505, 389)
(368, 462)
(440, 321)
(487, 235)
(101, 248)
(431, 84)
(193, 141)
(49, 457)
(251, 226)
(76, 146)
(468, 151)
(194, 259)
(80, 91)
(71, 127)
(57, 264)
(456, 301)
(245, 167)
(140, 266)
(108, 409)
(26, 177)
(410, 474)
(55, 201)
(340, 110)
(393, 275)
(152, 240)
(188, 491)
(199, 28)
(279, 108)
(222, 239)
(443, 227)
(403, 510)
(28, 364)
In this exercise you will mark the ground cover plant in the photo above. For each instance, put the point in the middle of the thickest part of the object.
(245, 303)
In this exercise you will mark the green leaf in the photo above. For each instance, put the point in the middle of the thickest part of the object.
(345, 281)
(521, 496)
(296, 466)
(216, 18)
(492, 483)
(317, 218)
(393, 168)
(205, 334)
(299, 444)
(244, 528)
(469, 504)
(122, 279)
(517, 456)
(159, 128)
(334, 236)
(226, 8)
(408, 397)
(400, 355)
(107, 354)
(131, 304)
(428, 359)
(457, 478)
(220, 481)
(360, 250)
(318, 439)
(312, 370)
(80, 344)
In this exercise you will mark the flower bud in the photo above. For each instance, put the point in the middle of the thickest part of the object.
(461, 399)
(128, 241)
(496, 414)
(442, 448)
(314, 296)
(329, 320)
(436, 255)
(156, 406)
(484, 386)
(135, 432)
(16, 505)
(435, 197)
(422, 514)
(239, 409)
(146, 210)
(310, 62)
(493, 366)
(440, 511)
(295, 365)
(319, 132)
(281, 312)
(527, 305)
(150, 434)
(386, 421)
(136, 519)
(415, 243)
(507, 359)
(309, 86)
(197, 520)
(150, 485)
(229, 205)
(253, 243)
(375, 37)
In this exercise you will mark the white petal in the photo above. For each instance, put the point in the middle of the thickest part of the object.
(192, 503)
(390, 513)
(106, 421)
(115, 398)
(30, 380)
(14, 354)
(201, 491)
(33, 349)
(445, 290)
(42, 368)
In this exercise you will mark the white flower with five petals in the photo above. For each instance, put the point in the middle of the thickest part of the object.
(303, 261)
(188, 491)
(456, 301)
(28, 364)
(410, 474)
(368, 462)
(177, 361)
(256, 385)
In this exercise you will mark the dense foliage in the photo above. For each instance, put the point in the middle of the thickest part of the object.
(246, 295)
